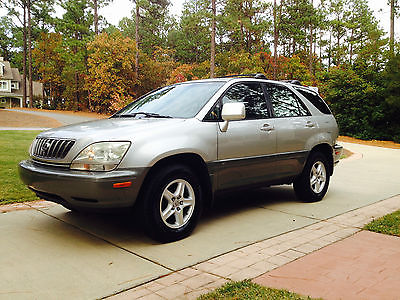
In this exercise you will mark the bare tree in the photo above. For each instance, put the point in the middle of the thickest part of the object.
(10, 6)
(95, 17)
(275, 41)
(137, 38)
(392, 14)
(30, 54)
(310, 66)
(213, 25)
(23, 3)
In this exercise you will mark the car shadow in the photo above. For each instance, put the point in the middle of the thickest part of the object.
(236, 202)
(124, 228)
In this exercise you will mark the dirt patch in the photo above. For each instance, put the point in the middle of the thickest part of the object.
(18, 119)
(383, 144)
(67, 112)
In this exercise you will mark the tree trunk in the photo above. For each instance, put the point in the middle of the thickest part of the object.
(212, 59)
(351, 39)
(275, 41)
(95, 18)
(137, 39)
(337, 56)
(310, 66)
(30, 55)
(330, 50)
(391, 27)
(76, 76)
(320, 45)
(24, 59)
(351, 46)
(294, 46)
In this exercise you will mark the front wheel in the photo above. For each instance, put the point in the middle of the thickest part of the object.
(173, 204)
(312, 184)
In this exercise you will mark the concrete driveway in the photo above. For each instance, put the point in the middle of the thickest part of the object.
(52, 253)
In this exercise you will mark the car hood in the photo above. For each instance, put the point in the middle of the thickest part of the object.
(111, 129)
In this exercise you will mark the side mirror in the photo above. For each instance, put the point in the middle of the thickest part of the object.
(232, 112)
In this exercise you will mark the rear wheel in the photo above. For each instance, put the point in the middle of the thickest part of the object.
(313, 182)
(172, 204)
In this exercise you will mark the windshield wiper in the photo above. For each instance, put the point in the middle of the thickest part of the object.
(146, 114)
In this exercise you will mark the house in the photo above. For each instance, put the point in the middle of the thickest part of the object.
(11, 93)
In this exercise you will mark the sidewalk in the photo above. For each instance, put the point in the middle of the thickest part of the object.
(294, 251)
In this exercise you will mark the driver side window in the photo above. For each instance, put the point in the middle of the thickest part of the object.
(249, 93)
(252, 95)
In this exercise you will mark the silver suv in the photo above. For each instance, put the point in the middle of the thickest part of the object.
(169, 152)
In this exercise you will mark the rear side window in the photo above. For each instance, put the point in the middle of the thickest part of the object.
(316, 100)
(285, 103)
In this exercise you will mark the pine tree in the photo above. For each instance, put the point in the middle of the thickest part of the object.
(245, 23)
(191, 37)
(75, 26)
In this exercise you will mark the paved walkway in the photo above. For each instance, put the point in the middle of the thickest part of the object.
(25, 128)
(361, 266)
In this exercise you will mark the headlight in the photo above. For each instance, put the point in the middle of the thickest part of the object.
(103, 156)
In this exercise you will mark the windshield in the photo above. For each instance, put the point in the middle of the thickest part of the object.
(176, 101)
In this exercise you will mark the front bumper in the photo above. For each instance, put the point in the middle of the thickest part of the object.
(337, 153)
(82, 190)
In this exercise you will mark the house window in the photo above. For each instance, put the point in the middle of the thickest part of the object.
(14, 85)
(3, 85)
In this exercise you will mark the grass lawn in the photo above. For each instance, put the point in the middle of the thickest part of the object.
(14, 146)
(247, 290)
(389, 224)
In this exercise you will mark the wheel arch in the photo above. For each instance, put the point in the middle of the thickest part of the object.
(193, 161)
(326, 150)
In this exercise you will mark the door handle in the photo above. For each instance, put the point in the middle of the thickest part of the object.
(267, 127)
(310, 124)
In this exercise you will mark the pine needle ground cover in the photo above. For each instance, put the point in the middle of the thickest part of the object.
(14, 146)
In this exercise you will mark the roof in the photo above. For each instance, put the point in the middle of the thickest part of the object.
(256, 77)
(7, 71)
(15, 74)
(37, 88)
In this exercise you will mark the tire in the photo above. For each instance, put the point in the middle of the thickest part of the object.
(312, 184)
(172, 204)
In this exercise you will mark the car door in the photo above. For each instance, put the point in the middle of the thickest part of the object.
(245, 149)
(294, 126)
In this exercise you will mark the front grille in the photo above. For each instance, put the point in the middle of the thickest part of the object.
(51, 148)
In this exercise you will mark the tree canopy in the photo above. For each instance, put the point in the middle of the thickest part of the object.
(336, 45)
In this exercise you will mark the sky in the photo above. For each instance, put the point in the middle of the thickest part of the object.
(123, 8)
(118, 9)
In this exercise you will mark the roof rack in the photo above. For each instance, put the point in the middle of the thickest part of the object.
(295, 82)
(255, 75)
